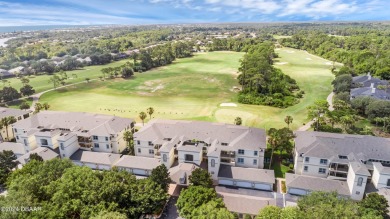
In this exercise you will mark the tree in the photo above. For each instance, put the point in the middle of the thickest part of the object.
(160, 176)
(24, 80)
(128, 138)
(289, 213)
(238, 121)
(280, 139)
(27, 90)
(201, 177)
(7, 163)
(109, 215)
(375, 203)
(193, 197)
(38, 107)
(87, 80)
(319, 108)
(24, 105)
(288, 120)
(142, 116)
(36, 157)
(327, 205)
(55, 80)
(213, 209)
(9, 94)
(269, 212)
(45, 106)
(6, 122)
(150, 111)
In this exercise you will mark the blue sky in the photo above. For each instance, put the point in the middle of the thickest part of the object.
(86, 12)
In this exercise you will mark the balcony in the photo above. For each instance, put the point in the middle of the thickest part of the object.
(335, 167)
(228, 154)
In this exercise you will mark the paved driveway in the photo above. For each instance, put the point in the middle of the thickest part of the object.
(170, 211)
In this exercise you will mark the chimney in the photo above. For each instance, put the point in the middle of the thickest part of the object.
(372, 85)
(373, 90)
(369, 75)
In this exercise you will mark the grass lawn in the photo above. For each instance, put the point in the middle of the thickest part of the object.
(15, 104)
(194, 88)
(280, 169)
(40, 83)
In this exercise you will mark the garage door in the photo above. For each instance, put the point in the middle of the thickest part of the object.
(244, 184)
(297, 191)
(104, 167)
(91, 165)
(139, 172)
(263, 186)
(225, 182)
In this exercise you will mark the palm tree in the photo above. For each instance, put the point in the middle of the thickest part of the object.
(45, 106)
(238, 121)
(5, 122)
(150, 111)
(128, 137)
(273, 139)
(288, 120)
(142, 116)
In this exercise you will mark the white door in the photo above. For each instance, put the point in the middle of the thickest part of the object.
(263, 186)
(293, 191)
(225, 182)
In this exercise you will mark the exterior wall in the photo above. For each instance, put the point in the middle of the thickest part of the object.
(170, 158)
(51, 141)
(197, 156)
(138, 172)
(298, 163)
(379, 180)
(102, 141)
(144, 148)
(313, 167)
(214, 170)
(356, 191)
(249, 158)
(69, 147)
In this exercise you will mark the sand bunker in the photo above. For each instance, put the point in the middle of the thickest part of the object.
(159, 87)
(228, 104)
(309, 59)
(289, 51)
(328, 63)
(281, 63)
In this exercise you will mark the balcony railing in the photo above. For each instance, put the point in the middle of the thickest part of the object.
(228, 154)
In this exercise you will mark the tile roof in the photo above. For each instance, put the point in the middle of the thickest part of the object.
(382, 169)
(95, 157)
(246, 204)
(247, 174)
(45, 152)
(5, 112)
(181, 170)
(17, 148)
(79, 122)
(316, 184)
(136, 162)
(236, 136)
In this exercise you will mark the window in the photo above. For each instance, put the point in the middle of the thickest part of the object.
(323, 161)
(255, 153)
(16, 130)
(17, 137)
(240, 160)
(212, 163)
(139, 150)
(240, 151)
(357, 193)
(388, 182)
(322, 170)
(255, 162)
(25, 142)
(305, 168)
(360, 181)
(106, 138)
(151, 151)
(189, 157)
(138, 142)
(224, 144)
(96, 145)
(165, 158)
(62, 146)
(95, 137)
(107, 146)
(44, 142)
(150, 143)
(343, 157)
(63, 155)
(307, 159)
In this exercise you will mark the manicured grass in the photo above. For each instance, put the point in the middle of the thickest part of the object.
(15, 104)
(194, 88)
(280, 169)
(40, 83)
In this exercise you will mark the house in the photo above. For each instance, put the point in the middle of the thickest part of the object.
(45, 153)
(214, 145)
(5, 74)
(95, 160)
(343, 157)
(367, 81)
(17, 114)
(16, 148)
(71, 131)
(381, 94)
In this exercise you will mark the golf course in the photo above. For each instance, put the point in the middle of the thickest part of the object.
(203, 87)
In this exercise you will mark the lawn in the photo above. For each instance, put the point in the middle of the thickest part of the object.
(193, 89)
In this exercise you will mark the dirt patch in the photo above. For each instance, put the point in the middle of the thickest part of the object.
(235, 89)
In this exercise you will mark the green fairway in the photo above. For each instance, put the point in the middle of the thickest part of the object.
(194, 88)
(40, 83)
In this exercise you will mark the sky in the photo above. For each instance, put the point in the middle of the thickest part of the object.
(90, 12)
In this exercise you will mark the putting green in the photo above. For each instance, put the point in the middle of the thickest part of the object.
(193, 89)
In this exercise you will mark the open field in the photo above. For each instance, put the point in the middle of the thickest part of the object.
(194, 88)
(40, 83)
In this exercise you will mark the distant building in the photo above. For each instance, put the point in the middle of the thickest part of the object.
(17, 114)
(368, 86)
